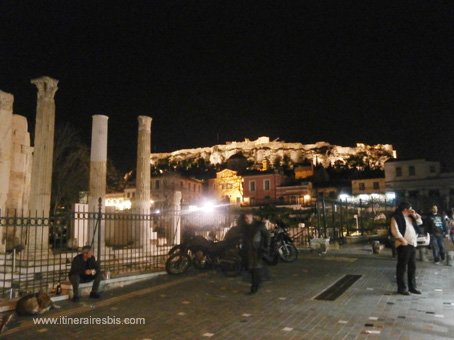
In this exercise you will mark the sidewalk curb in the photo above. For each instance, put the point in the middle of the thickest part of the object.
(103, 303)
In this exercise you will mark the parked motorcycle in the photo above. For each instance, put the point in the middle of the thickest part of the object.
(201, 253)
(282, 246)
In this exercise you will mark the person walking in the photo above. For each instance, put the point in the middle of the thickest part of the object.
(404, 228)
(256, 240)
(437, 230)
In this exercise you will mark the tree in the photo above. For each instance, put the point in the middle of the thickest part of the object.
(71, 169)
(71, 166)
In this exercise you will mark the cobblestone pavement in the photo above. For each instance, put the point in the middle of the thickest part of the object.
(209, 305)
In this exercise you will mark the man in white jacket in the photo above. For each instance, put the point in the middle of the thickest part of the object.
(404, 224)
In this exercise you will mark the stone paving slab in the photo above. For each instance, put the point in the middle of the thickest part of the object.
(210, 306)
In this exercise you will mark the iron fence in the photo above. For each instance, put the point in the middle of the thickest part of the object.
(36, 252)
(337, 219)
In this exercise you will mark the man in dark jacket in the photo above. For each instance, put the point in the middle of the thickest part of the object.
(85, 268)
(437, 229)
(256, 240)
(404, 228)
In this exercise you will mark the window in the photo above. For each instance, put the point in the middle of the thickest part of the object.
(376, 185)
(252, 186)
(266, 185)
(362, 186)
(156, 184)
(451, 192)
(411, 170)
(398, 171)
(432, 169)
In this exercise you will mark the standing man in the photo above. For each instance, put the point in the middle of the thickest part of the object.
(404, 228)
(256, 240)
(85, 268)
(437, 230)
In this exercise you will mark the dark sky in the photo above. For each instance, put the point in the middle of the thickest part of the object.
(339, 71)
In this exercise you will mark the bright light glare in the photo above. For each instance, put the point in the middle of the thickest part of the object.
(390, 195)
(344, 197)
(208, 207)
(363, 197)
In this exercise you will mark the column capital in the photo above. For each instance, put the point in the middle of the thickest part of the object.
(47, 86)
(6, 101)
(144, 122)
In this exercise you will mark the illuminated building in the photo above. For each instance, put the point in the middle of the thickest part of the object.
(227, 186)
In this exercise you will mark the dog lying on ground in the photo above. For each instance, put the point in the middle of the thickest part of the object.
(31, 304)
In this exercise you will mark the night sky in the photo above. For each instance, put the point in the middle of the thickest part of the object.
(213, 71)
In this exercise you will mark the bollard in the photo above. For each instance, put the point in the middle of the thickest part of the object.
(450, 258)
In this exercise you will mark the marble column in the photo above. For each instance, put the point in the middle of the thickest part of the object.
(41, 181)
(175, 227)
(21, 154)
(6, 119)
(142, 198)
(98, 175)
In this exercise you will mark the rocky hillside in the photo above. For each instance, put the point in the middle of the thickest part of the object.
(273, 152)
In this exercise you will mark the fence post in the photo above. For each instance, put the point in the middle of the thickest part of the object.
(324, 217)
(333, 211)
(360, 220)
(341, 222)
(99, 217)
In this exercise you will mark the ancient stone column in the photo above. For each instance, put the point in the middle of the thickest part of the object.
(20, 166)
(6, 117)
(142, 198)
(175, 227)
(98, 174)
(6, 120)
(41, 180)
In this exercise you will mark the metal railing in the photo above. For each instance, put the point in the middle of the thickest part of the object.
(36, 252)
(337, 219)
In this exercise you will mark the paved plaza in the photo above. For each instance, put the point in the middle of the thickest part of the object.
(208, 305)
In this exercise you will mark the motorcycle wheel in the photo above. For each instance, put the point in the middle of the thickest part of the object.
(200, 260)
(231, 266)
(174, 250)
(288, 252)
(178, 264)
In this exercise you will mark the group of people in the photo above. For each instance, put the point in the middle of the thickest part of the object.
(405, 225)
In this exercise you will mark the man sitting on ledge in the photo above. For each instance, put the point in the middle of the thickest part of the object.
(85, 268)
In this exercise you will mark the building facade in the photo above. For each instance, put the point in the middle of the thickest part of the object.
(301, 194)
(162, 189)
(227, 186)
(261, 188)
(368, 186)
(421, 182)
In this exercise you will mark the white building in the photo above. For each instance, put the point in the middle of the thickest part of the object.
(421, 182)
